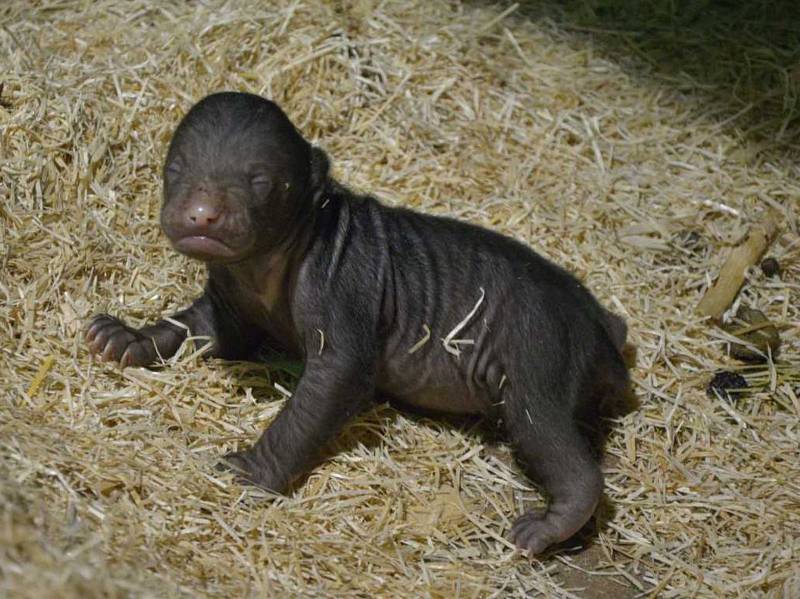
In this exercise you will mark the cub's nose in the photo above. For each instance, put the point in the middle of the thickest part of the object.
(203, 212)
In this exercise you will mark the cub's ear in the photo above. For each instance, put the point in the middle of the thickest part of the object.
(616, 328)
(320, 165)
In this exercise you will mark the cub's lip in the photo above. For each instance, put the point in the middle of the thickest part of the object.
(204, 247)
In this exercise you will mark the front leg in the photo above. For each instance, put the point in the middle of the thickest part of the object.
(339, 330)
(327, 397)
(112, 340)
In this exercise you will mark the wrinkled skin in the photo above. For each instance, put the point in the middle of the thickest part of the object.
(352, 287)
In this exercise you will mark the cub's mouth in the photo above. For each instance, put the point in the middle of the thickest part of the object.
(204, 247)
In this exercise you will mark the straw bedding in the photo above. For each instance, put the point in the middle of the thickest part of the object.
(638, 175)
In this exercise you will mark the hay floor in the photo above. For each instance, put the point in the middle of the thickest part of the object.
(576, 131)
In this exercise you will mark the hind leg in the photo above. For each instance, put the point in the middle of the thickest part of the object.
(555, 455)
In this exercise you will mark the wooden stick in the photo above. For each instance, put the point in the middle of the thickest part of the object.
(722, 293)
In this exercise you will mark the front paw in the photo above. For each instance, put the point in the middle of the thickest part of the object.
(113, 341)
(249, 471)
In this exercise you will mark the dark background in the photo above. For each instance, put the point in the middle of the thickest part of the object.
(743, 56)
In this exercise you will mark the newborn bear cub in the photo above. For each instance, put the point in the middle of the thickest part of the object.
(431, 312)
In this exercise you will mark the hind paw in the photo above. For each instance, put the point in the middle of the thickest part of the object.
(534, 532)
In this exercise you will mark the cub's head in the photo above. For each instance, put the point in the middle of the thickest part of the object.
(238, 178)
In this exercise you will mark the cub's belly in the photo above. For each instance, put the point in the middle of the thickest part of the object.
(453, 397)
(433, 379)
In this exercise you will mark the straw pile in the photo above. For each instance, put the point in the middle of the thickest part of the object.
(639, 179)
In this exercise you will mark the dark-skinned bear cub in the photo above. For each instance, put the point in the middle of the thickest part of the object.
(378, 302)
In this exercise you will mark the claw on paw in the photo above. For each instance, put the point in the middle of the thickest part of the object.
(112, 341)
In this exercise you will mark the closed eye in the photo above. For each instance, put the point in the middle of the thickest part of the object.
(173, 169)
(261, 182)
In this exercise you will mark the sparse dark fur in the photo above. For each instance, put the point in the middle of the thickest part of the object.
(351, 286)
